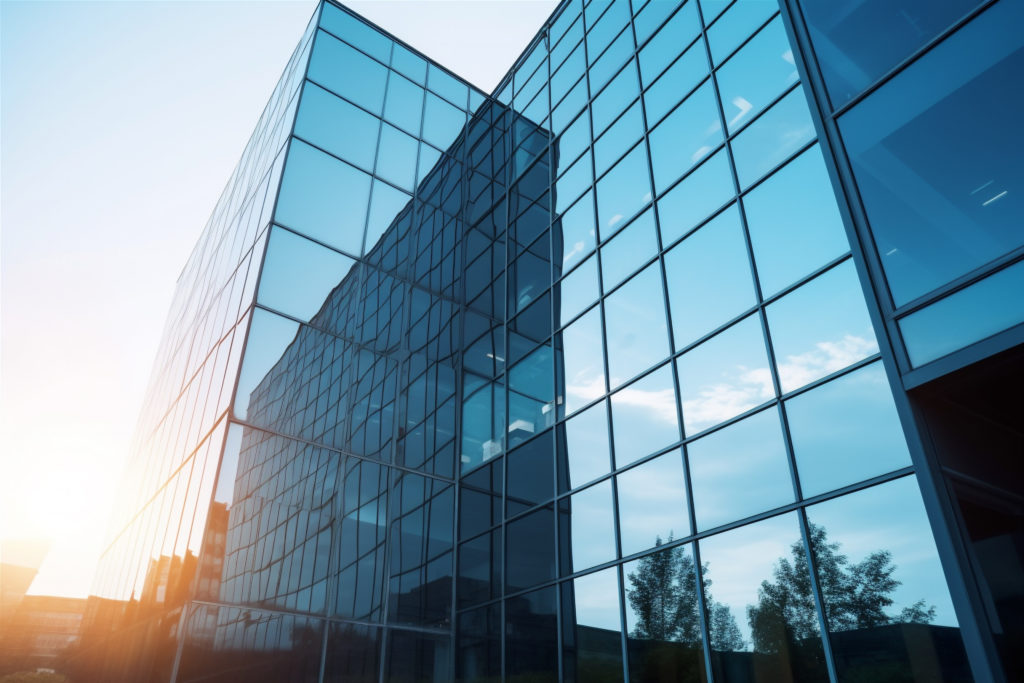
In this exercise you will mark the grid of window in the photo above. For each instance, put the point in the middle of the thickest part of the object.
(572, 382)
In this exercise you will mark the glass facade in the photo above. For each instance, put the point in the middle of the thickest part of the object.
(573, 381)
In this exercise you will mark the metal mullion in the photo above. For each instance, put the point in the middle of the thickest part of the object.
(819, 598)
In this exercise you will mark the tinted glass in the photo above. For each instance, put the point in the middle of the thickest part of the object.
(582, 361)
(644, 416)
(591, 528)
(696, 197)
(348, 72)
(624, 190)
(341, 128)
(685, 137)
(635, 321)
(578, 232)
(685, 73)
(531, 636)
(777, 134)
(652, 503)
(585, 446)
(592, 627)
(298, 274)
(622, 255)
(530, 543)
(576, 291)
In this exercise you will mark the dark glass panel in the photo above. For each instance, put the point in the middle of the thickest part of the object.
(415, 657)
(592, 628)
(353, 654)
(479, 645)
(530, 549)
(531, 637)
(531, 470)
(480, 562)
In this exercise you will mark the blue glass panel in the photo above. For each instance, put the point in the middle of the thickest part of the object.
(428, 160)
(578, 232)
(696, 198)
(530, 544)
(590, 605)
(846, 431)
(627, 251)
(323, 198)
(749, 456)
(970, 315)
(741, 20)
(667, 43)
(404, 104)
(386, 205)
(410, 64)
(571, 143)
(795, 206)
(355, 32)
(396, 160)
(821, 327)
(531, 392)
(623, 89)
(652, 503)
(611, 61)
(898, 29)
(622, 135)
(299, 274)
(447, 86)
(566, 110)
(686, 136)
(348, 72)
(269, 336)
(582, 361)
(565, 43)
(687, 71)
(780, 131)
(337, 126)
(725, 376)
(576, 291)
(587, 455)
(599, 35)
(624, 190)
(756, 75)
(637, 331)
(592, 528)
(651, 16)
(713, 259)
(573, 182)
(442, 122)
(879, 532)
(644, 417)
(963, 193)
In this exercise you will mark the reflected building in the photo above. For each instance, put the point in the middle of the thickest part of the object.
(685, 355)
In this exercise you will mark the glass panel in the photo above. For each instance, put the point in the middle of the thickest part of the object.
(898, 28)
(337, 126)
(628, 250)
(779, 132)
(696, 198)
(624, 190)
(795, 206)
(724, 376)
(756, 75)
(591, 535)
(568, 73)
(741, 20)
(686, 136)
(712, 259)
(269, 337)
(573, 182)
(680, 79)
(531, 637)
(623, 89)
(964, 193)
(582, 361)
(478, 655)
(846, 431)
(757, 598)
(620, 137)
(636, 326)
(353, 652)
(396, 160)
(606, 28)
(877, 545)
(583, 445)
(667, 43)
(447, 86)
(531, 474)
(409, 63)
(479, 575)
(323, 198)
(821, 327)
(348, 72)
(531, 396)
(386, 205)
(355, 32)
(576, 291)
(652, 503)
(644, 416)
(571, 143)
(442, 122)
(592, 628)
(576, 231)
(663, 618)
(749, 456)
(298, 275)
(609, 63)
(530, 543)
(420, 657)
(970, 315)
(650, 16)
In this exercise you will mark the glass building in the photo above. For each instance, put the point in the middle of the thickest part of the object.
(693, 352)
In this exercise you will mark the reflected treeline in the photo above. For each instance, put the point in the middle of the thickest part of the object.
(783, 642)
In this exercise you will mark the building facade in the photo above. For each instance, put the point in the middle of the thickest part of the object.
(692, 352)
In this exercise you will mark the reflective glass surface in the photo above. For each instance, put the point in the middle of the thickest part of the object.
(685, 136)
(652, 503)
(585, 450)
(591, 528)
(644, 416)
(636, 326)
(775, 135)
(698, 196)
(592, 627)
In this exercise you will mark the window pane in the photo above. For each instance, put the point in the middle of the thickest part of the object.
(712, 259)
(576, 232)
(576, 291)
(741, 20)
(585, 451)
(675, 83)
(337, 126)
(582, 361)
(667, 43)
(622, 135)
(356, 32)
(530, 541)
(779, 132)
(963, 193)
(686, 136)
(591, 529)
(396, 160)
(592, 627)
(749, 456)
(298, 274)
(404, 104)
(623, 89)
(696, 198)
(348, 72)
(531, 474)
(796, 206)
(628, 250)
(637, 332)
(624, 190)
(846, 431)
(878, 544)
(756, 75)
(531, 637)
(323, 198)
(758, 601)
(820, 328)
(644, 417)
(652, 503)
(725, 376)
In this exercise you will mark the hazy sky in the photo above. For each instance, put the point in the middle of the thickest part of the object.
(120, 122)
